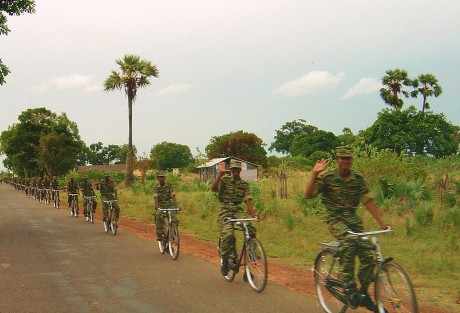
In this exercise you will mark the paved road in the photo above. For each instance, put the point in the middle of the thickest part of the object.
(52, 262)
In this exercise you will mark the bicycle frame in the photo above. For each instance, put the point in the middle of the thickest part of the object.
(56, 198)
(108, 224)
(74, 202)
(89, 215)
(381, 274)
(171, 241)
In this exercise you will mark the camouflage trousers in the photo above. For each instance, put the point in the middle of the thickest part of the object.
(160, 218)
(105, 207)
(352, 247)
(227, 232)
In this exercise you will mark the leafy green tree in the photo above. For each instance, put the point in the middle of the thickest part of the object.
(21, 142)
(426, 85)
(412, 132)
(58, 153)
(285, 136)
(133, 73)
(11, 8)
(393, 83)
(318, 140)
(347, 138)
(171, 155)
(240, 144)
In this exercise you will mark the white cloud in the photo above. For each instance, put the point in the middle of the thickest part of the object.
(310, 83)
(364, 86)
(74, 81)
(174, 89)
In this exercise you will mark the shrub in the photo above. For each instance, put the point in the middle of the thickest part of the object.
(423, 215)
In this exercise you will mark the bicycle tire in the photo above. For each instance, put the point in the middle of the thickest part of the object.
(174, 242)
(394, 291)
(231, 274)
(162, 246)
(113, 225)
(325, 271)
(75, 208)
(255, 265)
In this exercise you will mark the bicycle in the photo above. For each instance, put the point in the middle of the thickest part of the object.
(47, 196)
(56, 202)
(252, 257)
(393, 290)
(74, 204)
(171, 241)
(40, 195)
(109, 224)
(89, 211)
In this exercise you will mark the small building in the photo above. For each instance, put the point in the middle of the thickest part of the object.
(249, 171)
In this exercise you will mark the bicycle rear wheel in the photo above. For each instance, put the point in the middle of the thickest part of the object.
(231, 274)
(394, 291)
(173, 241)
(255, 265)
(326, 273)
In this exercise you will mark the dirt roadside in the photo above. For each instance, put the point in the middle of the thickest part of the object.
(294, 278)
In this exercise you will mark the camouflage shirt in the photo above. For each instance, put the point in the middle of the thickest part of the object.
(54, 184)
(46, 183)
(233, 192)
(338, 195)
(72, 186)
(87, 188)
(107, 188)
(164, 194)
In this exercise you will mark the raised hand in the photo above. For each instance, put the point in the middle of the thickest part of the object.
(320, 166)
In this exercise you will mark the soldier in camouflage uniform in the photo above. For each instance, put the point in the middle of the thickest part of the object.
(165, 198)
(72, 188)
(54, 186)
(40, 191)
(87, 190)
(341, 192)
(108, 192)
(232, 192)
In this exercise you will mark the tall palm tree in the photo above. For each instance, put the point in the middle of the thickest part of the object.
(134, 73)
(427, 85)
(393, 83)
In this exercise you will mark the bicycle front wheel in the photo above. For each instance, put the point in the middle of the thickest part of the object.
(113, 225)
(173, 241)
(231, 274)
(326, 274)
(255, 265)
(394, 291)
(89, 213)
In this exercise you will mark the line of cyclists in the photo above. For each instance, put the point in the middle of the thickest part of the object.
(47, 191)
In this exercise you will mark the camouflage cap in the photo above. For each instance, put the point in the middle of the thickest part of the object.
(160, 174)
(235, 164)
(106, 174)
(344, 151)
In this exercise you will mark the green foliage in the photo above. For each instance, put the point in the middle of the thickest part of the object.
(285, 136)
(11, 8)
(257, 189)
(309, 143)
(28, 144)
(393, 82)
(426, 85)
(309, 207)
(452, 217)
(412, 132)
(240, 144)
(171, 155)
(424, 214)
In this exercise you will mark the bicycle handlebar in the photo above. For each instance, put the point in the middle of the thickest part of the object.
(109, 201)
(89, 197)
(73, 194)
(375, 232)
(230, 220)
(174, 209)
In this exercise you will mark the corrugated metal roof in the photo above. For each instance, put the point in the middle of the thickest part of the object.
(218, 160)
(212, 162)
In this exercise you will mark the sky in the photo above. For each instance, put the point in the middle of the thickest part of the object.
(226, 66)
